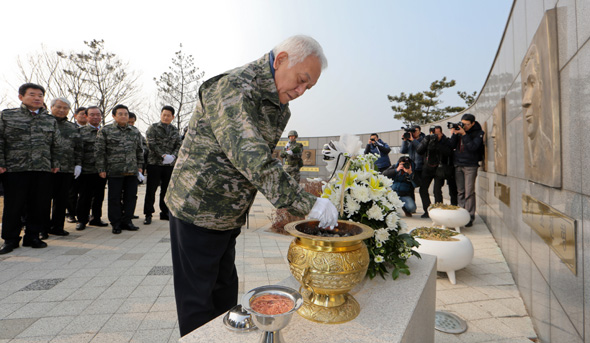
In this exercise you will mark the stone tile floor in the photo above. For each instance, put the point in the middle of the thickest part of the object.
(93, 286)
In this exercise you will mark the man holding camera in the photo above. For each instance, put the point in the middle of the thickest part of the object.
(379, 147)
(438, 165)
(467, 140)
(403, 183)
(411, 141)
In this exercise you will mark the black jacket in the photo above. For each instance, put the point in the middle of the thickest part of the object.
(435, 152)
(469, 147)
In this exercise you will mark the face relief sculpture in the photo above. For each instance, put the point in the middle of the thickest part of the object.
(499, 137)
(540, 106)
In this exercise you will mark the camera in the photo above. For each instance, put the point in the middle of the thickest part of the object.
(406, 165)
(409, 130)
(456, 126)
(372, 139)
(431, 130)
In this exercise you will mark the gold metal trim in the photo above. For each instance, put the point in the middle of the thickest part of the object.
(554, 227)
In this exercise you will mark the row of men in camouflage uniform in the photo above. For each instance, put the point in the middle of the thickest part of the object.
(42, 154)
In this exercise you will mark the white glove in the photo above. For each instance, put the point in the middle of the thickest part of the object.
(289, 152)
(77, 171)
(140, 177)
(325, 212)
(168, 159)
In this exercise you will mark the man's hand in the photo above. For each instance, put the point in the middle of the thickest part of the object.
(167, 159)
(289, 152)
(103, 175)
(77, 171)
(2, 170)
(54, 170)
(325, 212)
(140, 177)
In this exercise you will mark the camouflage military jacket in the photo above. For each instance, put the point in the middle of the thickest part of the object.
(162, 139)
(295, 158)
(28, 142)
(118, 150)
(226, 154)
(71, 145)
(88, 138)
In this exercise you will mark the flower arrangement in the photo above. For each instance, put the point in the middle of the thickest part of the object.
(443, 206)
(363, 195)
(434, 234)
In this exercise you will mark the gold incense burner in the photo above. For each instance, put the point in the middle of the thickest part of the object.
(328, 268)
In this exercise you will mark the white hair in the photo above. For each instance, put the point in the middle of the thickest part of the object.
(64, 100)
(299, 47)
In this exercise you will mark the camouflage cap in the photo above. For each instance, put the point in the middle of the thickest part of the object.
(292, 133)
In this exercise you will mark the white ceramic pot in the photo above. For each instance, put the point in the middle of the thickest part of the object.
(451, 255)
(449, 218)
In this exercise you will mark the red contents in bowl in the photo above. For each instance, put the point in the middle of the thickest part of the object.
(271, 304)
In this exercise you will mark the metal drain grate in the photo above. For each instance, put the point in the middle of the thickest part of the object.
(449, 323)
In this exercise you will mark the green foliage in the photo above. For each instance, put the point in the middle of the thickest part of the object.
(425, 107)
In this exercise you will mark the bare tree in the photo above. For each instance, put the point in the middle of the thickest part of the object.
(49, 70)
(179, 86)
(106, 79)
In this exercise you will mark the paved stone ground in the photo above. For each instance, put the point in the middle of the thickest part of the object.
(93, 286)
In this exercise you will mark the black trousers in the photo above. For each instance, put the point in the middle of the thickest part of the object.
(25, 194)
(73, 197)
(62, 183)
(122, 188)
(205, 275)
(91, 195)
(157, 176)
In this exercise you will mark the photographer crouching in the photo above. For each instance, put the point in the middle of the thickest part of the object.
(403, 183)
(438, 166)
(467, 140)
(411, 141)
(377, 146)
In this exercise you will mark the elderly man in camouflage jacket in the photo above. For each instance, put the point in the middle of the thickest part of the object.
(119, 156)
(292, 155)
(164, 142)
(225, 158)
(70, 165)
(91, 184)
(29, 143)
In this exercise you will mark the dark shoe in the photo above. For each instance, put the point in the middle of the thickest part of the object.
(129, 227)
(7, 247)
(408, 214)
(148, 220)
(34, 243)
(164, 216)
(61, 232)
(470, 224)
(44, 235)
(98, 223)
(425, 215)
(71, 219)
(135, 217)
(80, 226)
(116, 229)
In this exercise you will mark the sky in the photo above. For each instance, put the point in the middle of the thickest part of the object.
(374, 48)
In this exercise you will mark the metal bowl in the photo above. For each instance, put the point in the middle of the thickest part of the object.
(272, 322)
(238, 319)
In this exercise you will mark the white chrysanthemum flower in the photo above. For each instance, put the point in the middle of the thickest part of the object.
(392, 220)
(381, 235)
(360, 193)
(387, 182)
(403, 225)
(375, 212)
(379, 259)
(363, 175)
(352, 206)
(378, 244)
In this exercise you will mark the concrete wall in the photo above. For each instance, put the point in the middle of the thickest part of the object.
(553, 295)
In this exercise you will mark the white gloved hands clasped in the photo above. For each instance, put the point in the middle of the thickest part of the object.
(140, 177)
(168, 159)
(77, 171)
(289, 152)
(324, 211)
